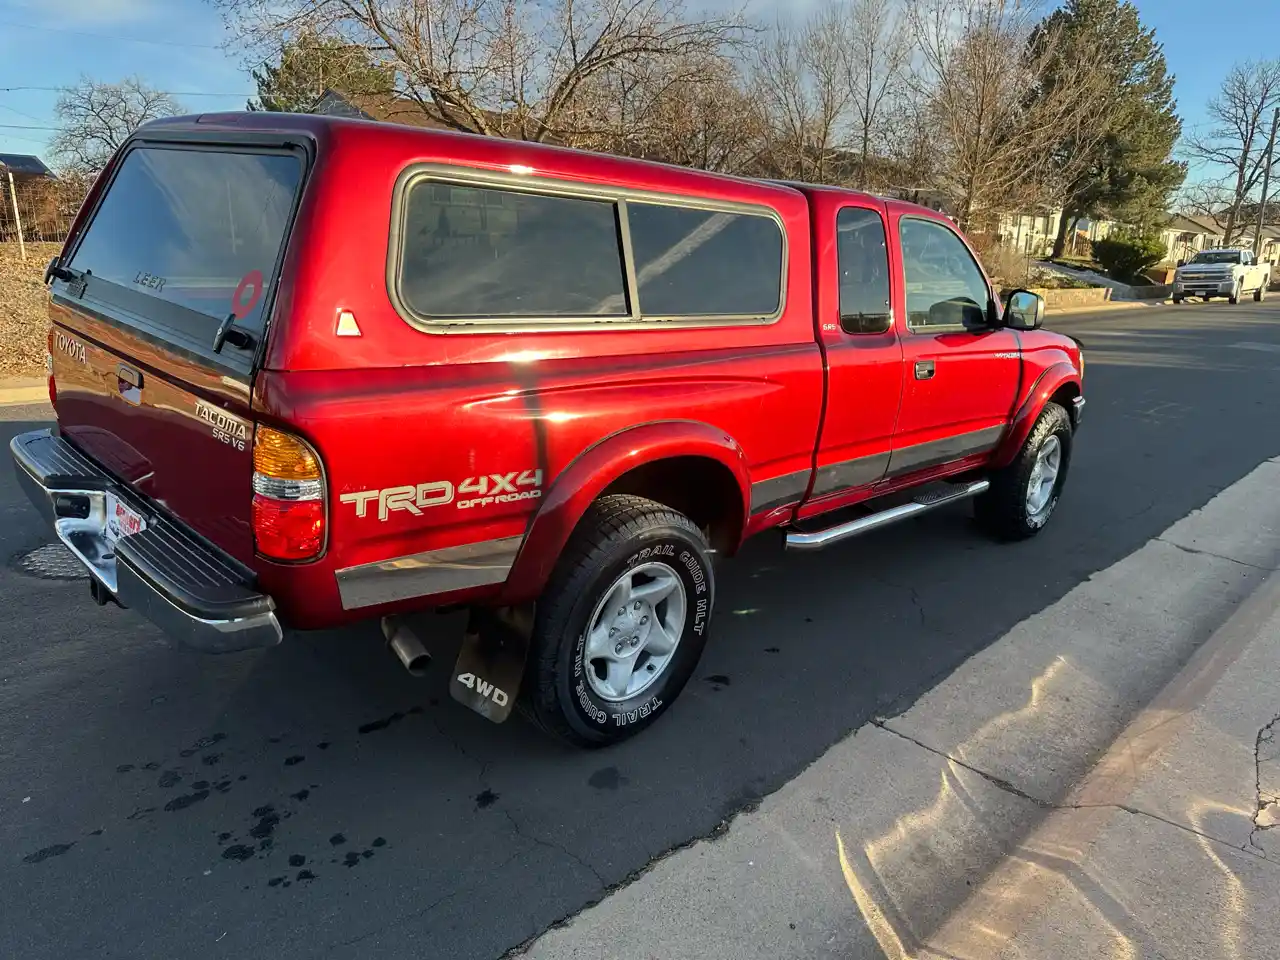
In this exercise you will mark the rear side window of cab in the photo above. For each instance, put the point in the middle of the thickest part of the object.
(477, 249)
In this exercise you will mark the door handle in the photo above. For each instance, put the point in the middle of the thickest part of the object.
(924, 370)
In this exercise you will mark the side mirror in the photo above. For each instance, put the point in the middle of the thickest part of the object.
(1182, 263)
(1024, 310)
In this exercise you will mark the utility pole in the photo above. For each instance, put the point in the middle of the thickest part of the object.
(1266, 184)
(17, 217)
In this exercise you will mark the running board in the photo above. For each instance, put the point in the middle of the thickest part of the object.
(820, 539)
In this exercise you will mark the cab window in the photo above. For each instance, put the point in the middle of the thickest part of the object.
(944, 285)
(864, 271)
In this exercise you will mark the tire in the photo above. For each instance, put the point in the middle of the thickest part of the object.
(1260, 294)
(1005, 510)
(645, 544)
(1177, 301)
(1235, 294)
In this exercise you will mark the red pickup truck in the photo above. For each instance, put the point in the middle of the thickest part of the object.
(311, 370)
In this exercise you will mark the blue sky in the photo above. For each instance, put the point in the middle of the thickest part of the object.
(175, 45)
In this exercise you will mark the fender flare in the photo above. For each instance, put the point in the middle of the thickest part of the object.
(592, 471)
(1050, 381)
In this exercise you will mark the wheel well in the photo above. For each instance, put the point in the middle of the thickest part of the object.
(1063, 397)
(704, 490)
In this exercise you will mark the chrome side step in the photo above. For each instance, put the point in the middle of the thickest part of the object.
(820, 539)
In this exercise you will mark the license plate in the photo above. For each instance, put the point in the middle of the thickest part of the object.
(122, 520)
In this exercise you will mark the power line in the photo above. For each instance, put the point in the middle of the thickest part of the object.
(103, 36)
(20, 113)
(24, 126)
(171, 93)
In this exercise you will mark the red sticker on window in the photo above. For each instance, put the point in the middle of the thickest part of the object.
(246, 296)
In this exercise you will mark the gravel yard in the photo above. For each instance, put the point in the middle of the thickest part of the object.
(23, 316)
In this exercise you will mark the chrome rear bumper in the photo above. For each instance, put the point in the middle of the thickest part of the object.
(197, 594)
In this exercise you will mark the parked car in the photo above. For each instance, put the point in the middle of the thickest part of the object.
(309, 371)
(1226, 273)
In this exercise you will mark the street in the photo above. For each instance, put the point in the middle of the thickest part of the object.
(316, 801)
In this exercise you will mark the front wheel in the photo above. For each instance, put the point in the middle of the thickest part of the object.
(1260, 294)
(622, 623)
(1235, 294)
(1024, 494)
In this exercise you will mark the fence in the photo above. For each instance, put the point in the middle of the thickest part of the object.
(39, 209)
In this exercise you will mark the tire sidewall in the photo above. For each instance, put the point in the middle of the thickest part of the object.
(605, 721)
(1054, 425)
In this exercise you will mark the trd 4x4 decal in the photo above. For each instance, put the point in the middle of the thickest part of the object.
(477, 492)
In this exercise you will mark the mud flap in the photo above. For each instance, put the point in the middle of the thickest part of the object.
(490, 664)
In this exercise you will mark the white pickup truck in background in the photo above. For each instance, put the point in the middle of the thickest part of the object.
(1222, 273)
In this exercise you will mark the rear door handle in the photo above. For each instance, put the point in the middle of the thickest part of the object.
(924, 370)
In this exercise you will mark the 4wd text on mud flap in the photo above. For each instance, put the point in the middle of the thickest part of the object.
(484, 688)
(489, 489)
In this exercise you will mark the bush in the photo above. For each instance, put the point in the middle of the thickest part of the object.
(1125, 258)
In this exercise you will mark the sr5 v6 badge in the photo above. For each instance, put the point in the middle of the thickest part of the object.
(481, 492)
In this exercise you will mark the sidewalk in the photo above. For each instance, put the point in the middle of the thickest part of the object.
(1086, 787)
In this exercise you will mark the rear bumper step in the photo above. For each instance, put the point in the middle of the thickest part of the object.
(820, 539)
(198, 595)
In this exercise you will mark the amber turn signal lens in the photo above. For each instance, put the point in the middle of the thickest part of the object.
(283, 457)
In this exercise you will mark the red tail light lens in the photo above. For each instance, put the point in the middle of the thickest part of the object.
(288, 497)
(287, 530)
(53, 386)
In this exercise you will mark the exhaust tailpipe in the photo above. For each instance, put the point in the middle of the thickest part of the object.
(405, 644)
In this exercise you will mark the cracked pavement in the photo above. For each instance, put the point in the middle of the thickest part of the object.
(316, 801)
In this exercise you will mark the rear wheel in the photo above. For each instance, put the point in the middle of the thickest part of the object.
(622, 623)
(1260, 294)
(1024, 495)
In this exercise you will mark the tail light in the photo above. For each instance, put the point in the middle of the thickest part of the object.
(53, 386)
(288, 497)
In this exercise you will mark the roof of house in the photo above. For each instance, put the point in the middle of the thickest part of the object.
(24, 165)
(382, 107)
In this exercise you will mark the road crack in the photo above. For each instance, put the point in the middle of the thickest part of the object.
(1209, 553)
(1007, 787)
(1265, 735)
(552, 845)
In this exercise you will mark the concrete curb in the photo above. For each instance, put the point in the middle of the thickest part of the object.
(16, 392)
(1108, 307)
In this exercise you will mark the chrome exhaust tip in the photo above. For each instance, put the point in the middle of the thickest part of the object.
(405, 644)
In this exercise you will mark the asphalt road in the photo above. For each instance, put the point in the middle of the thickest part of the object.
(316, 801)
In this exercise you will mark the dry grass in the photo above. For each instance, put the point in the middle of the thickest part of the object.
(24, 314)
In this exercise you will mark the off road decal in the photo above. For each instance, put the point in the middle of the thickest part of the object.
(476, 492)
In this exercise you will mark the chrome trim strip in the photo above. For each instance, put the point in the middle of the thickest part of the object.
(779, 491)
(427, 574)
(935, 453)
(858, 472)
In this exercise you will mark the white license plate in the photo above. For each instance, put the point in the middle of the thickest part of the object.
(122, 520)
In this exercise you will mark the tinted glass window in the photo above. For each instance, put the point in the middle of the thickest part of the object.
(944, 286)
(490, 253)
(187, 227)
(864, 271)
(704, 263)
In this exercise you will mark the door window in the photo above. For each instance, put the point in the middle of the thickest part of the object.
(864, 271)
(944, 285)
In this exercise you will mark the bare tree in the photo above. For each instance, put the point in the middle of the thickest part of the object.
(998, 128)
(95, 118)
(1235, 141)
(510, 68)
(1205, 198)
(799, 82)
(877, 55)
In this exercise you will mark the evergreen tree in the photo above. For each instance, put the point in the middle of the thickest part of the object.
(309, 65)
(1131, 174)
